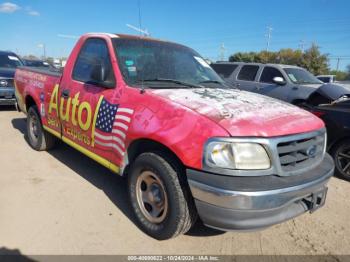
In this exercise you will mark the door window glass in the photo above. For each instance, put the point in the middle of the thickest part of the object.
(93, 56)
(248, 72)
(269, 73)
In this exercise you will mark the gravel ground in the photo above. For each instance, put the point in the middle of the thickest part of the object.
(61, 202)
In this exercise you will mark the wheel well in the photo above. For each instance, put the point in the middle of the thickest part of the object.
(140, 146)
(336, 143)
(297, 102)
(29, 102)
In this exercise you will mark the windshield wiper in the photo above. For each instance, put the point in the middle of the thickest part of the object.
(213, 82)
(172, 81)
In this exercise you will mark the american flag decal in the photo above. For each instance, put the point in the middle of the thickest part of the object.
(112, 123)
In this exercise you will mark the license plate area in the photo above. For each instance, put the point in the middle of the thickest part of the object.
(6, 94)
(316, 200)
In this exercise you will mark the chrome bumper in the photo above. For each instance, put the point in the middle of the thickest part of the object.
(7, 96)
(236, 206)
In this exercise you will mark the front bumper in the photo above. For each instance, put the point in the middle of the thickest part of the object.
(248, 203)
(7, 96)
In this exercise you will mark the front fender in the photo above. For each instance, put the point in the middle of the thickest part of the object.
(181, 130)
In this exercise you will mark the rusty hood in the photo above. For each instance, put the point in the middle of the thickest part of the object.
(243, 113)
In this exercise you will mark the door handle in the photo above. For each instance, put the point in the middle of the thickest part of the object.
(238, 85)
(65, 93)
(295, 88)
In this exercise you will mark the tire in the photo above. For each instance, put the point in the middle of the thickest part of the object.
(38, 138)
(341, 155)
(165, 188)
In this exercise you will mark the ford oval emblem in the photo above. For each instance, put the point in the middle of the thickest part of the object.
(311, 151)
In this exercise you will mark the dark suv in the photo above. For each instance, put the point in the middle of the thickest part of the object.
(8, 63)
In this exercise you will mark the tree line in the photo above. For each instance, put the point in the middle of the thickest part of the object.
(311, 59)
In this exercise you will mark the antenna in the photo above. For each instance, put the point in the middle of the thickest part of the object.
(268, 35)
(141, 31)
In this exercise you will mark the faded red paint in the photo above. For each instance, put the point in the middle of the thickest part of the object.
(182, 120)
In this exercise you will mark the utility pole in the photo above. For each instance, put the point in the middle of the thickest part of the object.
(302, 46)
(222, 52)
(338, 60)
(44, 49)
(268, 36)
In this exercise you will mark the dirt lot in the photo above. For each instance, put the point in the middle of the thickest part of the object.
(61, 202)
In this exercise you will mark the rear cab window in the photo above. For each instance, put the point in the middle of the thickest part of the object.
(224, 70)
(269, 73)
(248, 72)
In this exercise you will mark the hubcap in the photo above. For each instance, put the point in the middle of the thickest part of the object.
(343, 160)
(34, 128)
(151, 197)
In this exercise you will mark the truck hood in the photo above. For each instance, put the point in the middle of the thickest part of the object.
(243, 113)
(333, 91)
(7, 72)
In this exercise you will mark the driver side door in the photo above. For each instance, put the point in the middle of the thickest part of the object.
(87, 102)
(268, 87)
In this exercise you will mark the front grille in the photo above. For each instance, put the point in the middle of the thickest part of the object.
(301, 153)
(10, 83)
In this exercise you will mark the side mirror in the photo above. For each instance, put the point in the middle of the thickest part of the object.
(279, 80)
(98, 73)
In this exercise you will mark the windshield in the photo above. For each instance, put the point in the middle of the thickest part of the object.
(157, 63)
(9, 61)
(301, 76)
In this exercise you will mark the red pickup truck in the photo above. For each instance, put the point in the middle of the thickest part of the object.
(155, 112)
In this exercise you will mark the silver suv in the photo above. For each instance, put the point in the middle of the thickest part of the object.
(292, 84)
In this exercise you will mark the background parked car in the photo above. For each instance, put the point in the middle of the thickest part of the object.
(296, 85)
(289, 83)
(37, 63)
(8, 63)
(332, 79)
(326, 78)
(334, 109)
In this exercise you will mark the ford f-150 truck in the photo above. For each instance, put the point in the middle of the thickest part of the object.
(155, 112)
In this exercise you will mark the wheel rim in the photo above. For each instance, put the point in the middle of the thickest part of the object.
(151, 197)
(343, 160)
(34, 128)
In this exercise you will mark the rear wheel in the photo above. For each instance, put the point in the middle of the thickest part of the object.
(163, 205)
(341, 156)
(38, 138)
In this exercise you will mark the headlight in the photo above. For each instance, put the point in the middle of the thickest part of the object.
(235, 155)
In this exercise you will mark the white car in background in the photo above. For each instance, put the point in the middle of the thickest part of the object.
(332, 79)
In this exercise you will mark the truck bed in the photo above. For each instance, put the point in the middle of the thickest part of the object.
(34, 82)
(40, 70)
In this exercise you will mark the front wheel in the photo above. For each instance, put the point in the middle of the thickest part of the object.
(341, 155)
(38, 138)
(163, 206)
